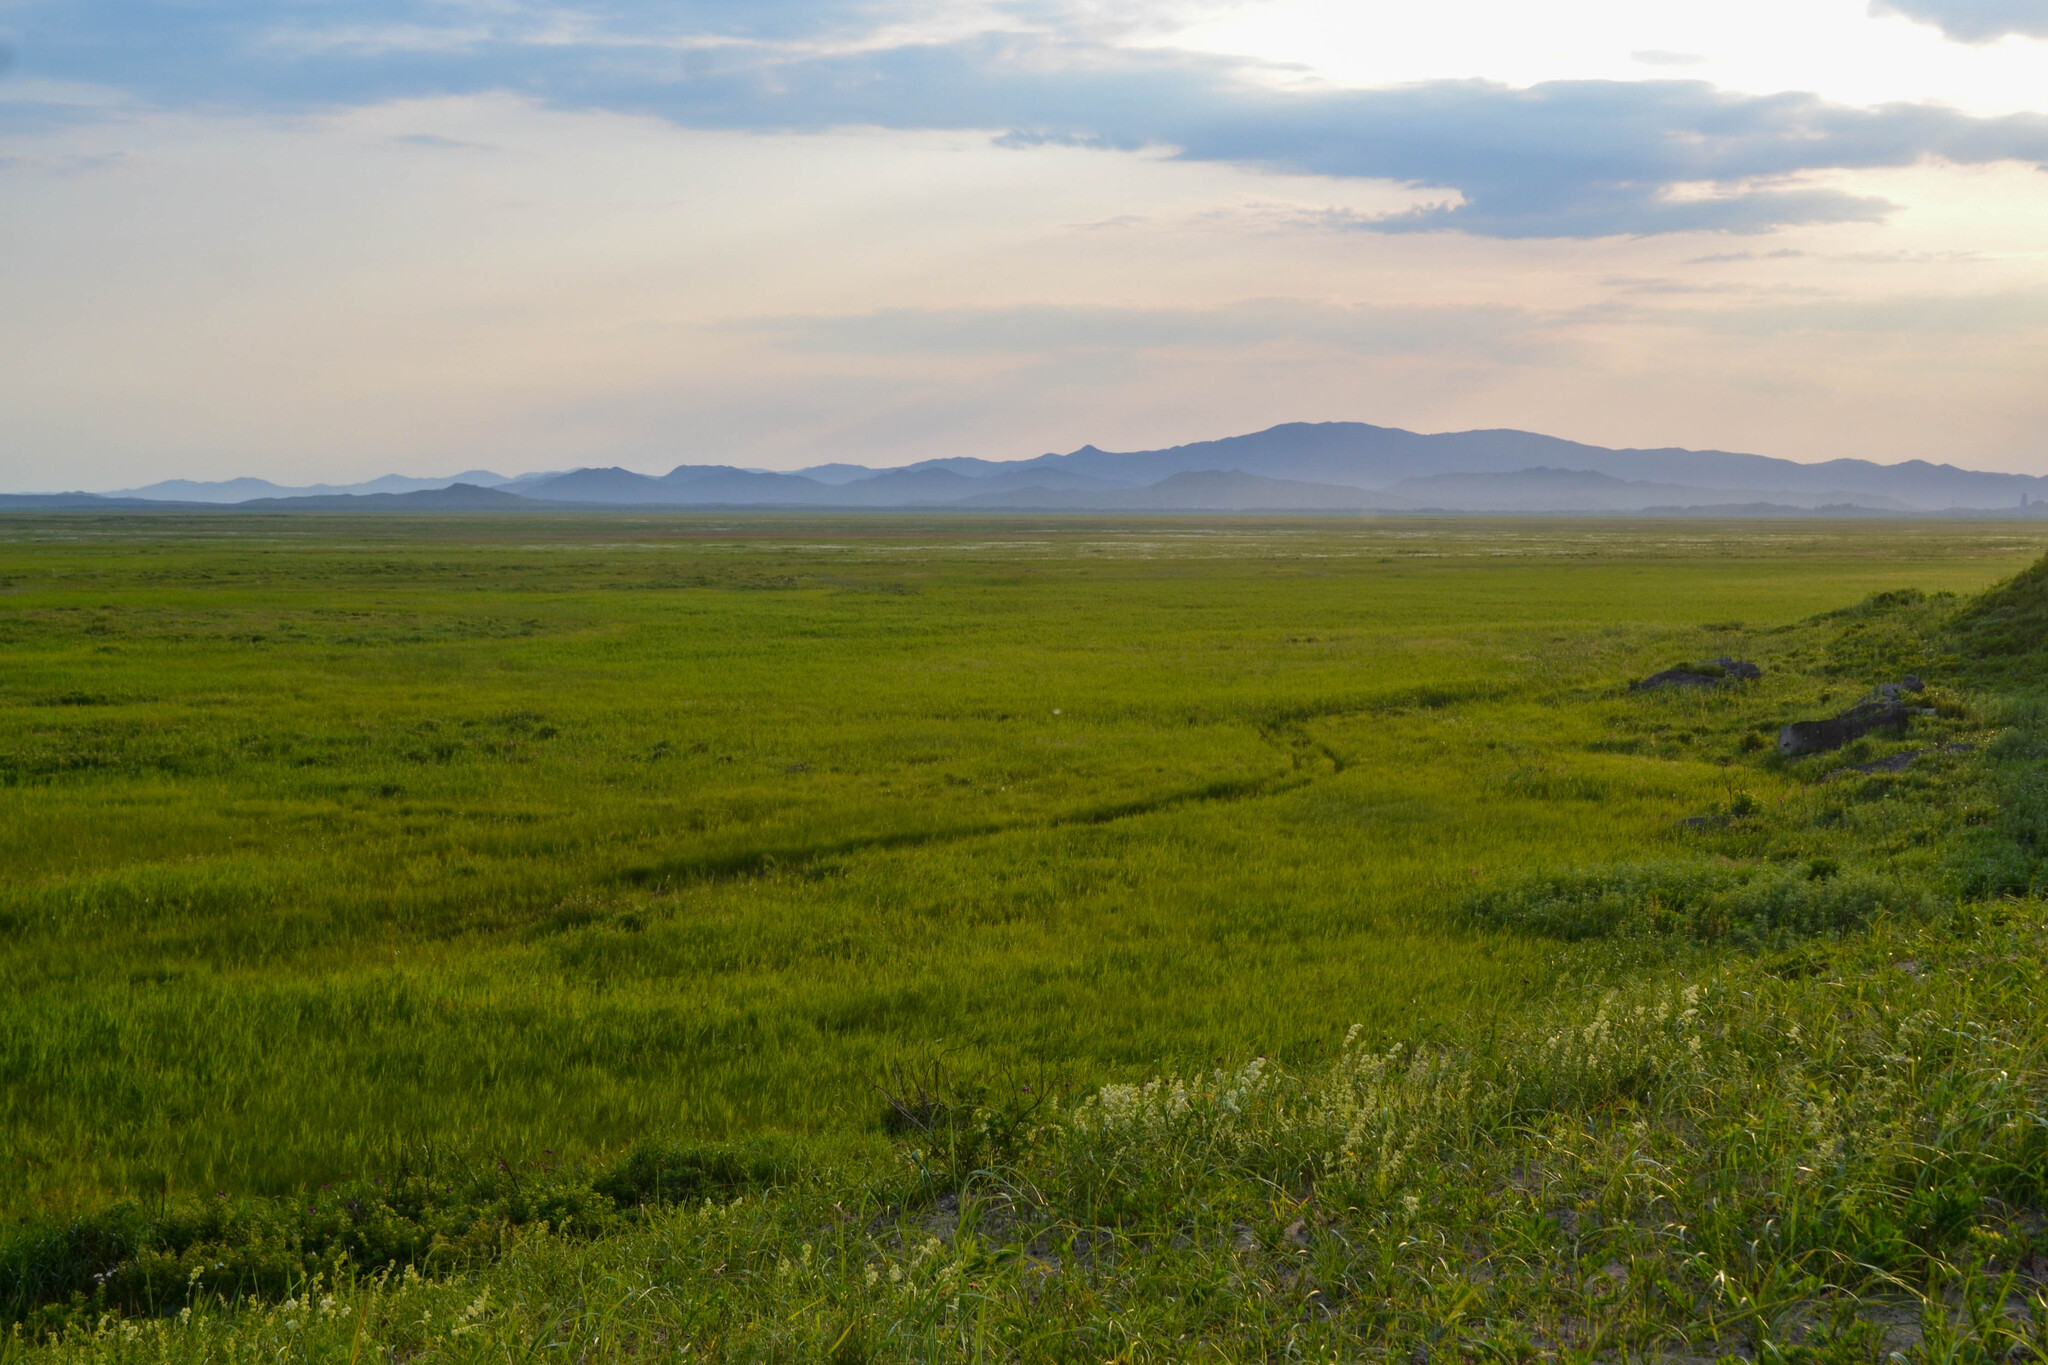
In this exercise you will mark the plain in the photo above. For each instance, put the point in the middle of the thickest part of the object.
(330, 841)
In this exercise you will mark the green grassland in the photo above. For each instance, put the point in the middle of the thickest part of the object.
(384, 849)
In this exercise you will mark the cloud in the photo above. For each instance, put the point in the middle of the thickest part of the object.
(1501, 332)
(1999, 314)
(1652, 56)
(1785, 254)
(436, 142)
(1973, 21)
(1560, 159)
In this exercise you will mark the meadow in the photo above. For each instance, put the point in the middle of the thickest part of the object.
(339, 850)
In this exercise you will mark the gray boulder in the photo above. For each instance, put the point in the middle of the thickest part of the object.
(1803, 737)
(1712, 673)
(1888, 692)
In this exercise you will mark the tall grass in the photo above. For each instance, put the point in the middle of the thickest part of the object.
(1836, 1155)
(1755, 904)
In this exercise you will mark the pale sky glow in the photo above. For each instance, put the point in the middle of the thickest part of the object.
(1834, 48)
(324, 241)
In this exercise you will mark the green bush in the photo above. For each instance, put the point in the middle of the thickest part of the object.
(1878, 651)
(1709, 902)
(132, 1258)
(662, 1173)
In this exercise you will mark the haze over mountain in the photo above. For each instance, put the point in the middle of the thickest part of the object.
(247, 489)
(1297, 466)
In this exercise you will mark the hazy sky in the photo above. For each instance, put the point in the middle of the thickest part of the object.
(324, 239)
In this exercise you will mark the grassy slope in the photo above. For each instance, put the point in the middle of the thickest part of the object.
(1391, 815)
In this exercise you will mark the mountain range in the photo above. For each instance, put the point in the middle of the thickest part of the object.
(1295, 467)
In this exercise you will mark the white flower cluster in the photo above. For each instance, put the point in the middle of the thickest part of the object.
(1214, 1104)
(1379, 1116)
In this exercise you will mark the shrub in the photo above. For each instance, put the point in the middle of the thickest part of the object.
(133, 1259)
(1710, 902)
(656, 1173)
(1877, 650)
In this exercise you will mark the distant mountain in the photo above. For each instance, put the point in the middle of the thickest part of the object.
(1582, 490)
(1043, 472)
(1370, 457)
(245, 490)
(76, 502)
(1298, 466)
(188, 490)
(685, 485)
(613, 485)
(525, 481)
(836, 473)
(1375, 467)
(1208, 490)
(461, 497)
(932, 484)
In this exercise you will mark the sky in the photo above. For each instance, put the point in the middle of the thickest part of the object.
(323, 240)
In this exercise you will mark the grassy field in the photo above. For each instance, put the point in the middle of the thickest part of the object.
(336, 842)
(549, 835)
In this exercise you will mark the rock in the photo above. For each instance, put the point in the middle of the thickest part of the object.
(1892, 691)
(1819, 736)
(1712, 673)
(1676, 677)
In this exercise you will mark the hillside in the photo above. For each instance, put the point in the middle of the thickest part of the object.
(2008, 626)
